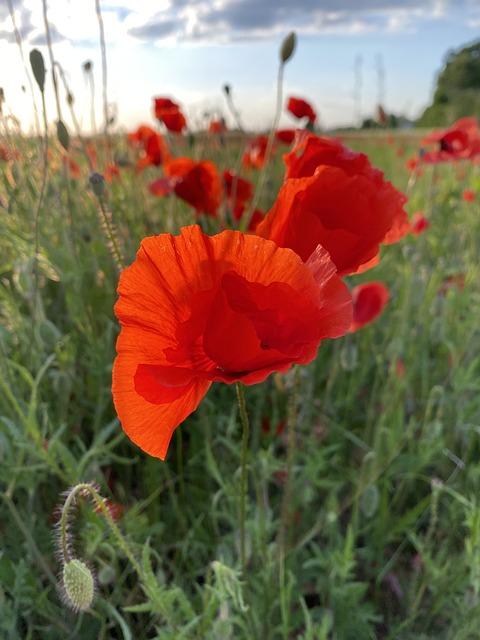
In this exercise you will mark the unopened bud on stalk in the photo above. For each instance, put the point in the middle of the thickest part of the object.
(78, 583)
(38, 68)
(288, 47)
(97, 182)
(63, 135)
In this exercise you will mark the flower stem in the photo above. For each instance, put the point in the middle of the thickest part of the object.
(243, 480)
(83, 489)
(247, 216)
(285, 517)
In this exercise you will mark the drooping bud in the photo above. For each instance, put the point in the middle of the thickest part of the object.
(63, 135)
(78, 584)
(288, 47)
(38, 68)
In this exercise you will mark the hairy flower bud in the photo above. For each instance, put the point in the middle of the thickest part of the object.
(78, 585)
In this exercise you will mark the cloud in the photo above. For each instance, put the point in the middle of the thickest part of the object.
(155, 29)
(239, 20)
(24, 23)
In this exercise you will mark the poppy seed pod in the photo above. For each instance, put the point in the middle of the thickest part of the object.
(38, 68)
(288, 47)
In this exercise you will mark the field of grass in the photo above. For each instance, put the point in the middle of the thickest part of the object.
(374, 533)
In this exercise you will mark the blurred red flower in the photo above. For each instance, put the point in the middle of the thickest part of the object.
(333, 196)
(369, 299)
(301, 109)
(254, 156)
(170, 114)
(419, 223)
(154, 151)
(197, 183)
(217, 127)
(461, 141)
(238, 189)
(195, 309)
(287, 136)
(468, 195)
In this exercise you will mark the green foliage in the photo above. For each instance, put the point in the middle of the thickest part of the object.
(383, 523)
(457, 92)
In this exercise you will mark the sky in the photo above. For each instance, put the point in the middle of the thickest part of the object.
(350, 55)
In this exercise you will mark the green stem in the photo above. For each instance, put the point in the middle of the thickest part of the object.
(86, 488)
(247, 216)
(117, 254)
(285, 517)
(243, 481)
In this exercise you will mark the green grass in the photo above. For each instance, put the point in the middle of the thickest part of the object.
(383, 526)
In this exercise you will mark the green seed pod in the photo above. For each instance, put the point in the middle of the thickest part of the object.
(38, 68)
(63, 135)
(78, 585)
(288, 47)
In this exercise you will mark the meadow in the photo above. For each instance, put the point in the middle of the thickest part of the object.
(351, 509)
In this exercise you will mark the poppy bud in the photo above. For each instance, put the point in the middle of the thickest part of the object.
(97, 182)
(78, 583)
(226, 88)
(38, 68)
(63, 135)
(288, 47)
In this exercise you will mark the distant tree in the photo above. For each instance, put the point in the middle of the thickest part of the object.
(457, 92)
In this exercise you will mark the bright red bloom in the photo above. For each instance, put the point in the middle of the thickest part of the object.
(468, 195)
(170, 114)
(287, 136)
(254, 156)
(196, 309)
(419, 223)
(461, 141)
(198, 183)
(301, 109)
(369, 299)
(154, 150)
(334, 197)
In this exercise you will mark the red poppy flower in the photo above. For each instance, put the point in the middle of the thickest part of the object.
(154, 150)
(170, 114)
(195, 309)
(238, 189)
(301, 109)
(468, 195)
(254, 156)
(287, 136)
(419, 223)
(369, 300)
(333, 196)
(461, 141)
(198, 183)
